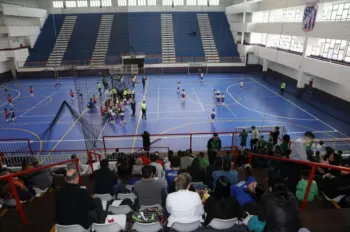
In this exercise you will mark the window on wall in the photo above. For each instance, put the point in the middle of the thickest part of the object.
(316, 49)
(191, 2)
(132, 2)
(82, 3)
(106, 2)
(291, 15)
(57, 4)
(95, 3)
(213, 2)
(334, 49)
(178, 2)
(284, 42)
(70, 4)
(167, 2)
(141, 2)
(263, 38)
(347, 55)
(272, 40)
(202, 2)
(266, 16)
(152, 2)
(297, 44)
(122, 3)
(336, 12)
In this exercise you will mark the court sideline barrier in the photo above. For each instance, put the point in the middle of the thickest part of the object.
(308, 163)
(11, 176)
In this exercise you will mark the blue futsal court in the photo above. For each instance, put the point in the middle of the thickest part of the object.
(257, 103)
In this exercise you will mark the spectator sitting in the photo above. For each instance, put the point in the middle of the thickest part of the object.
(73, 166)
(217, 166)
(232, 176)
(204, 163)
(214, 146)
(26, 178)
(145, 160)
(285, 144)
(319, 149)
(149, 190)
(247, 192)
(196, 172)
(280, 210)
(137, 167)
(183, 205)
(23, 191)
(74, 204)
(186, 160)
(302, 185)
(163, 181)
(41, 179)
(220, 204)
(105, 181)
(159, 160)
(159, 167)
(262, 144)
(171, 174)
(167, 164)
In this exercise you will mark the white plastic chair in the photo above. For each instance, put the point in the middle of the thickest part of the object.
(38, 191)
(337, 199)
(129, 187)
(223, 224)
(117, 209)
(130, 196)
(186, 227)
(104, 197)
(142, 207)
(71, 228)
(111, 227)
(304, 230)
(147, 227)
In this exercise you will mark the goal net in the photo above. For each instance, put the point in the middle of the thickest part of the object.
(197, 67)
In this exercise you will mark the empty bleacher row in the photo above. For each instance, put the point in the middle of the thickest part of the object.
(80, 38)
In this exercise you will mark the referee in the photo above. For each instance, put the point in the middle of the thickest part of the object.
(143, 109)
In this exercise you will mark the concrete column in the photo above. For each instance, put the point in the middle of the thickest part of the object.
(301, 76)
(265, 65)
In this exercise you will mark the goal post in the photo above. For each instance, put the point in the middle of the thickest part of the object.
(195, 67)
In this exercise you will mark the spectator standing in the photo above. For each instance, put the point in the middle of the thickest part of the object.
(299, 147)
(183, 205)
(285, 144)
(302, 185)
(74, 204)
(72, 165)
(231, 175)
(41, 179)
(105, 181)
(214, 146)
(243, 135)
(275, 134)
(137, 167)
(168, 160)
(220, 204)
(148, 190)
(146, 141)
(254, 138)
(262, 144)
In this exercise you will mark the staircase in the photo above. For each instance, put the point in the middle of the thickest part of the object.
(209, 47)
(62, 41)
(168, 46)
(101, 46)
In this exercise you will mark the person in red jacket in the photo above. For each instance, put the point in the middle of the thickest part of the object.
(9, 99)
(31, 91)
(71, 94)
(6, 113)
(94, 99)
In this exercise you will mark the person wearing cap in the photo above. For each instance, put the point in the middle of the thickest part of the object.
(214, 146)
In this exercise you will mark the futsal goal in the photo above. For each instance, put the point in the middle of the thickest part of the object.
(197, 67)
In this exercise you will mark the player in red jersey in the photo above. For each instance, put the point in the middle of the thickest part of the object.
(6, 113)
(71, 94)
(9, 99)
(94, 99)
(31, 91)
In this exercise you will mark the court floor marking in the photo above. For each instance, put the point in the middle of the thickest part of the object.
(290, 102)
(199, 101)
(18, 95)
(37, 104)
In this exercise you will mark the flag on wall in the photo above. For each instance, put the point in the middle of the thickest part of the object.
(310, 14)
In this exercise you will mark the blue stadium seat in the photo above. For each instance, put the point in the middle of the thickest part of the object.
(84, 37)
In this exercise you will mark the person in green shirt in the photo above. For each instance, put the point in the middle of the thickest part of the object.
(269, 145)
(243, 135)
(99, 88)
(203, 162)
(283, 87)
(302, 185)
(262, 144)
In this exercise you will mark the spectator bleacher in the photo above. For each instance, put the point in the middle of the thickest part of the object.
(185, 45)
(46, 39)
(83, 39)
(222, 35)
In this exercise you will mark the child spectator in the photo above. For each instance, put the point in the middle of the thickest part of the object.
(302, 185)
(137, 167)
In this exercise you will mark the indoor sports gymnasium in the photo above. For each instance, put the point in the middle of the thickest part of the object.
(135, 83)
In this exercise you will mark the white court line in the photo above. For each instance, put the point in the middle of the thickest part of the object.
(257, 111)
(296, 105)
(200, 103)
(313, 132)
(36, 104)
(99, 136)
(230, 111)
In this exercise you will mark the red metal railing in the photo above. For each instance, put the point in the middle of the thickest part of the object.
(97, 157)
(311, 164)
(13, 188)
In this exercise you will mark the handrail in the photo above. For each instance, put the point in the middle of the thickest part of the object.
(312, 173)
(13, 187)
